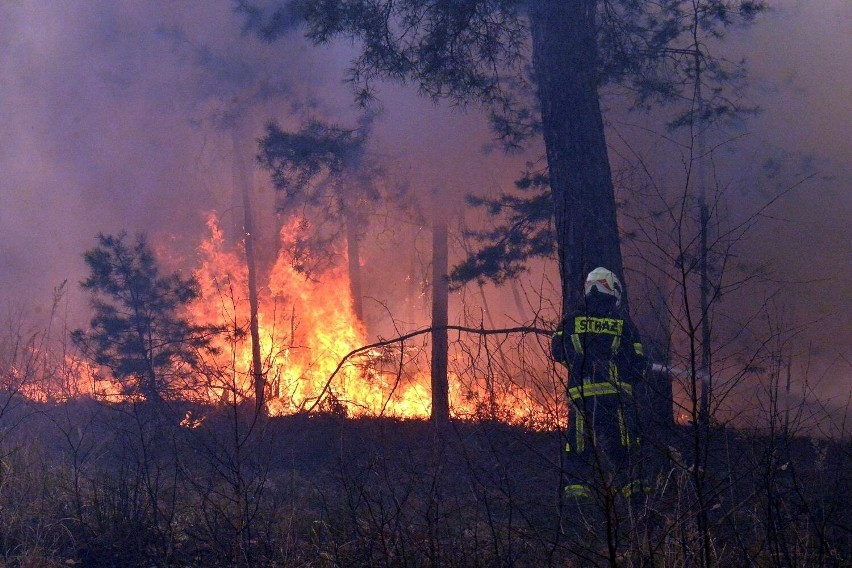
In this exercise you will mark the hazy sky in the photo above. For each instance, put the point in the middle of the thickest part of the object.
(108, 110)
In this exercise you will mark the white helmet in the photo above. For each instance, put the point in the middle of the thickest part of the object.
(604, 281)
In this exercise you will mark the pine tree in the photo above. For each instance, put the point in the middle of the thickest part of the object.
(538, 68)
(323, 171)
(138, 331)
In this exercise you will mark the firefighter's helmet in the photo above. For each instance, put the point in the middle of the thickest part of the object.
(604, 281)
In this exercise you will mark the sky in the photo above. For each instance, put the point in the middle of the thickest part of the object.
(111, 117)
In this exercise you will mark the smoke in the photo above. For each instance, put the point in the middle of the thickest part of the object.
(87, 137)
(800, 74)
(114, 112)
(114, 118)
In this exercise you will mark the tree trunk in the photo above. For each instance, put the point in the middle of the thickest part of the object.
(150, 388)
(440, 344)
(241, 176)
(565, 66)
(353, 254)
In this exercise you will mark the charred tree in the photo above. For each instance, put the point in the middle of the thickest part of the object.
(440, 319)
(353, 256)
(468, 52)
(244, 185)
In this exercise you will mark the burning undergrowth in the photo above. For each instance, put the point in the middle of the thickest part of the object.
(317, 355)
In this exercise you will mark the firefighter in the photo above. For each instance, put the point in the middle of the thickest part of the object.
(602, 352)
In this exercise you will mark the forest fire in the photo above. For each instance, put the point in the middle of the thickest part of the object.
(313, 346)
(306, 328)
(316, 355)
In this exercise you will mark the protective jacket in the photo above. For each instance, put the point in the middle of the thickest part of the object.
(604, 358)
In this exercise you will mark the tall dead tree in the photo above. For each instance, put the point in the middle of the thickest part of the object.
(440, 319)
(353, 256)
(242, 180)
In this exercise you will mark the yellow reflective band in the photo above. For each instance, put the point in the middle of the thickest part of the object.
(585, 324)
(626, 440)
(577, 490)
(637, 347)
(575, 340)
(613, 372)
(599, 389)
(616, 343)
(632, 488)
(581, 438)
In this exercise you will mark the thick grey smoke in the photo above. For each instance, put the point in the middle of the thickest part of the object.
(113, 113)
(103, 109)
(801, 78)
(112, 118)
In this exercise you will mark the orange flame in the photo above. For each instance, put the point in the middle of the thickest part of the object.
(307, 329)
(313, 353)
